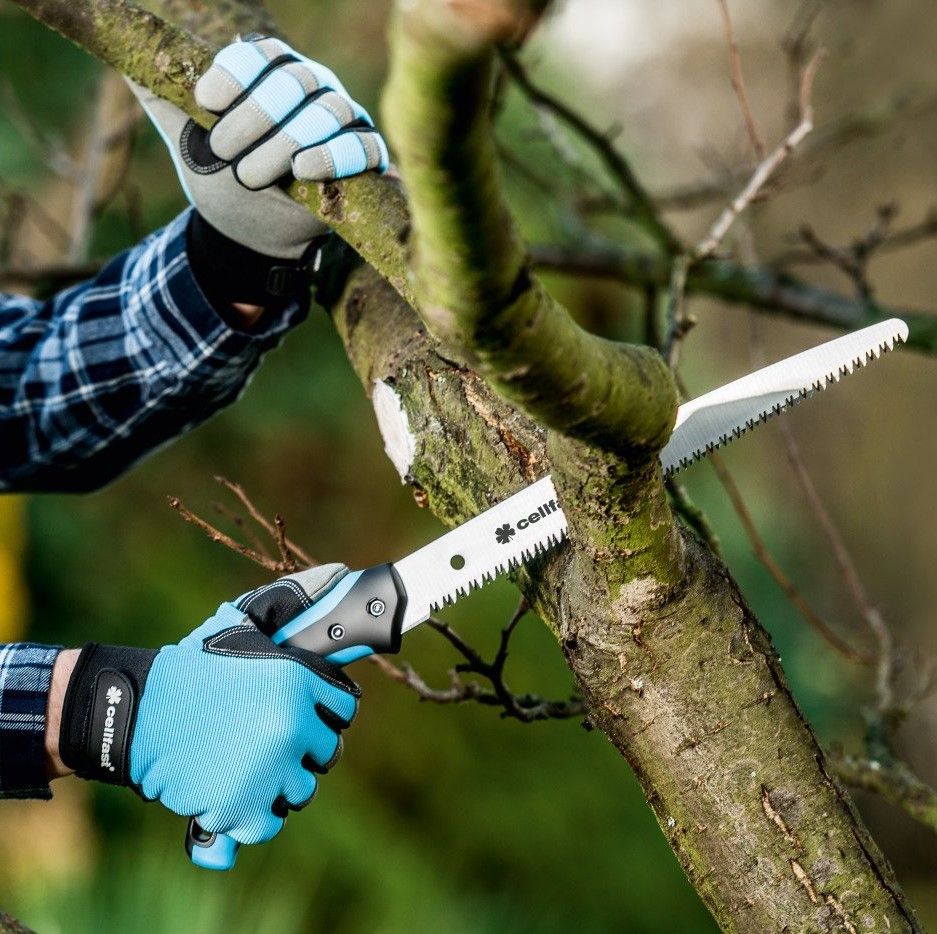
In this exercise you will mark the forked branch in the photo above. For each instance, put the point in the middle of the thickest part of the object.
(474, 288)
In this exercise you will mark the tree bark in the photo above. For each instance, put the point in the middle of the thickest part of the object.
(9, 925)
(678, 674)
(677, 671)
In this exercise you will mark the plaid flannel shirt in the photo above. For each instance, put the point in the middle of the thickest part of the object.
(91, 381)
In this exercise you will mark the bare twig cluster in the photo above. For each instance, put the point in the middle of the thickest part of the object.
(853, 258)
(524, 707)
(882, 771)
(290, 558)
(42, 244)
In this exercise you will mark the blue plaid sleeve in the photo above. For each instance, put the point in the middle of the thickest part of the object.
(25, 674)
(105, 372)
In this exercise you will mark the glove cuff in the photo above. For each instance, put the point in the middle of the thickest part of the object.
(100, 711)
(229, 272)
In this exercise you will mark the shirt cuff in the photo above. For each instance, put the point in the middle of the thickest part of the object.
(25, 677)
(230, 273)
(181, 317)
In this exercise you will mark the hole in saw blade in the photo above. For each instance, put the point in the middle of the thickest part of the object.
(457, 562)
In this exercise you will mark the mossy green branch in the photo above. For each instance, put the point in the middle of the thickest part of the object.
(894, 782)
(678, 673)
(474, 288)
(758, 287)
(369, 211)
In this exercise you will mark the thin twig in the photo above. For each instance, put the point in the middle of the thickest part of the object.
(765, 169)
(457, 692)
(261, 520)
(242, 526)
(763, 554)
(524, 707)
(286, 555)
(679, 323)
(738, 82)
(888, 242)
(216, 535)
(642, 207)
(694, 516)
(43, 219)
(51, 150)
(893, 781)
(797, 48)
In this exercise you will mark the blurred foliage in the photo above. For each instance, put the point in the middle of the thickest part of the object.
(439, 818)
(13, 595)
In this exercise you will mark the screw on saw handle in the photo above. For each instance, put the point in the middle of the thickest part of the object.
(360, 616)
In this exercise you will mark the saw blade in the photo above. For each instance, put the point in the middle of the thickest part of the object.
(718, 417)
(532, 521)
(501, 538)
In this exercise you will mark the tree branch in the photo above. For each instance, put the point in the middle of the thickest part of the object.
(894, 781)
(527, 708)
(675, 669)
(738, 82)
(759, 287)
(473, 286)
(368, 211)
(682, 680)
(765, 169)
(641, 205)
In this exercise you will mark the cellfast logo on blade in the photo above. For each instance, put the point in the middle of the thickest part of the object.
(506, 532)
(113, 696)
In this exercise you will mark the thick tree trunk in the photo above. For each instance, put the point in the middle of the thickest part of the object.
(678, 673)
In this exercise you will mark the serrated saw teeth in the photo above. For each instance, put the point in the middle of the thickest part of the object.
(773, 389)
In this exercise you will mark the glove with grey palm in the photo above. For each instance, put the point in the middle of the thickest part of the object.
(281, 116)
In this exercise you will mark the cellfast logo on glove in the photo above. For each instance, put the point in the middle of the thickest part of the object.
(506, 532)
(113, 696)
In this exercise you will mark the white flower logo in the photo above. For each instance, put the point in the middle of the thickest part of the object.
(114, 695)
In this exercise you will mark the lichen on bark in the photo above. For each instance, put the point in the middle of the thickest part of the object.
(677, 671)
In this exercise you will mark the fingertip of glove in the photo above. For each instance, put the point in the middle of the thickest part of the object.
(335, 722)
(317, 768)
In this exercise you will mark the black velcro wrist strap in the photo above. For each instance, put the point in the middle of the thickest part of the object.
(228, 272)
(100, 711)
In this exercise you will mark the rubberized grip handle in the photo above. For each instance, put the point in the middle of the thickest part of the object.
(361, 615)
(210, 850)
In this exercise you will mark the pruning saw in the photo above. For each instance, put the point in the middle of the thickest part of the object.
(369, 611)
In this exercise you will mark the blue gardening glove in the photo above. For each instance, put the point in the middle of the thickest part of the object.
(225, 726)
(282, 115)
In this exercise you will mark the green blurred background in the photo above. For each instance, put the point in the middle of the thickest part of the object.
(448, 818)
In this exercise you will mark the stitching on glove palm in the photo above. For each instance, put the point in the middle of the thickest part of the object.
(225, 726)
(282, 115)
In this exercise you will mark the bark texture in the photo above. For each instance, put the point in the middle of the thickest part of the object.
(676, 670)
(9, 925)
(678, 673)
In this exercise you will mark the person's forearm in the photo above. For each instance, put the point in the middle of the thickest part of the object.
(64, 665)
(151, 367)
(247, 315)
